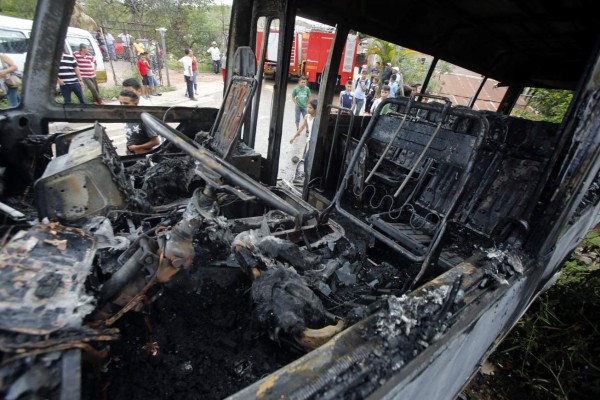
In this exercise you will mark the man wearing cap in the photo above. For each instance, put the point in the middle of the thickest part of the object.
(387, 72)
(215, 55)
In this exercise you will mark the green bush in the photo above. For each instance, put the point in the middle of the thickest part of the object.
(553, 352)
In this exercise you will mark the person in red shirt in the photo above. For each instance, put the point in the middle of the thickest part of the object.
(194, 72)
(87, 68)
(143, 70)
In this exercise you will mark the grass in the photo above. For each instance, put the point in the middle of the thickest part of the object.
(554, 350)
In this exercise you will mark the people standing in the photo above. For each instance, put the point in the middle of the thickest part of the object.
(139, 47)
(69, 79)
(347, 96)
(110, 43)
(188, 74)
(87, 67)
(300, 96)
(224, 66)
(102, 44)
(307, 121)
(376, 72)
(143, 70)
(152, 51)
(139, 140)
(307, 124)
(393, 86)
(8, 67)
(152, 83)
(399, 81)
(385, 92)
(194, 71)
(385, 75)
(372, 94)
(215, 55)
(360, 91)
(126, 39)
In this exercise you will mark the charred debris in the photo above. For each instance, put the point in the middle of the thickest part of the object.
(176, 273)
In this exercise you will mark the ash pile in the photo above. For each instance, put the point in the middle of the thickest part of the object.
(170, 273)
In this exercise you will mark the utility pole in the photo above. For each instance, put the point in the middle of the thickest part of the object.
(164, 47)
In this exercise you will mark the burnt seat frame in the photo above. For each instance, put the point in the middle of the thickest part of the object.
(417, 135)
(511, 153)
(224, 136)
(226, 131)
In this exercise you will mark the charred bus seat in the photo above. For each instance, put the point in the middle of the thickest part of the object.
(506, 180)
(441, 156)
(421, 167)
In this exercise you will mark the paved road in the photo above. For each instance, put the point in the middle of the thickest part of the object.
(210, 95)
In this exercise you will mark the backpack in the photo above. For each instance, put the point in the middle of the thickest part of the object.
(368, 85)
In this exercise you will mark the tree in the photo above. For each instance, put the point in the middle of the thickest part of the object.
(18, 8)
(385, 51)
(551, 104)
(411, 64)
(189, 23)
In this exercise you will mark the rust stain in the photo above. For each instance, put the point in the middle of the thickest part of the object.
(266, 385)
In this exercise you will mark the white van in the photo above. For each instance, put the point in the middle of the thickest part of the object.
(14, 41)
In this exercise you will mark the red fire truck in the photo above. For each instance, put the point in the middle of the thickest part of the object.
(309, 56)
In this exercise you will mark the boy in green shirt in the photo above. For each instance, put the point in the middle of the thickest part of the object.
(300, 96)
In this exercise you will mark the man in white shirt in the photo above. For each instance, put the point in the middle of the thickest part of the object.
(126, 39)
(188, 74)
(215, 55)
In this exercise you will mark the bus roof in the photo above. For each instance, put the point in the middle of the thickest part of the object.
(534, 43)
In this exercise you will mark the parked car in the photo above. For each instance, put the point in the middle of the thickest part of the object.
(14, 40)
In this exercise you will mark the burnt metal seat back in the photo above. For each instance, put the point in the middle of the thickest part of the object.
(445, 161)
(226, 131)
(437, 156)
(519, 151)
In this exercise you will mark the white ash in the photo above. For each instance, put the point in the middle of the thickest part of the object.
(406, 312)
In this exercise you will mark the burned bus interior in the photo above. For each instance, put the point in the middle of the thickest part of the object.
(416, 240)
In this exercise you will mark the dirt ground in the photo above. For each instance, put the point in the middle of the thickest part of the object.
(122, 70)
